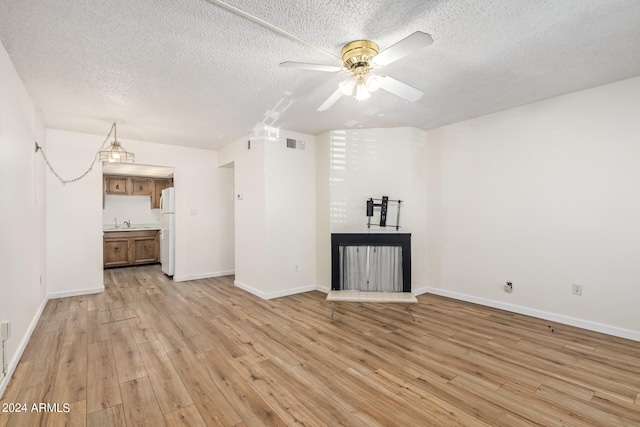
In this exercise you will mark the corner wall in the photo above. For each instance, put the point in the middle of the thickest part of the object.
(544, 196)
(250, 223)
(23, 287)
(275, 212)
(290, 214)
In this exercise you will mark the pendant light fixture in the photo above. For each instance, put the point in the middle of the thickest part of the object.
(115, 153)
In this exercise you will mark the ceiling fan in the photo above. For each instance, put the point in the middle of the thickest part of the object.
(359, 58)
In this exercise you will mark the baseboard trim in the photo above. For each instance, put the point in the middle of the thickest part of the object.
(13, 363)
(293, 291)
(324, 289)
(250, 289)
(65, 294)
(272, 295)
(203, 276)
(419, 291)
(566, 320)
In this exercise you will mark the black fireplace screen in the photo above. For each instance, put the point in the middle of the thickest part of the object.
(376, 262)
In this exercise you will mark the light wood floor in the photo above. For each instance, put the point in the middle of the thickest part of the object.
(152, 352)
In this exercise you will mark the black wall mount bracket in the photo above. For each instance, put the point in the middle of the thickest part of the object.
(383, 205)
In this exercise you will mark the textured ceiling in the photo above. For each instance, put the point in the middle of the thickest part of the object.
(192, 73)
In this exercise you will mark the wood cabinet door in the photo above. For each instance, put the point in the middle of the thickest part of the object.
(145, 250)
(116, 185)
(116, 252)
(159, 185)
(141, 186)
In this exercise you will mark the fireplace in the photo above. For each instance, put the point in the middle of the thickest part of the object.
(371, 262)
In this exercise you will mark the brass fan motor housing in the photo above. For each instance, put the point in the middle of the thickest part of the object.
(358, 54)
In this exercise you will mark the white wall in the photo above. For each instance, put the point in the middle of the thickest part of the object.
(355, 165)
(204, 240)
(275, 212)
(136, 209)
(74, 215)
(22, 219)
(544, 195)
(250, 223)
(290, 209)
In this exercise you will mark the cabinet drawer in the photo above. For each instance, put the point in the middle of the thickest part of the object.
(130, 234)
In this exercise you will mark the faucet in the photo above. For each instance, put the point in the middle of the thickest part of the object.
(128, 223)
(116, 220)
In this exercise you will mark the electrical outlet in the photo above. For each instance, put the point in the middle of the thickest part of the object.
(576, 289)
(297, 269)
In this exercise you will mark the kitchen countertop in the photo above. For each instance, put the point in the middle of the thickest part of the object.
(134, 227)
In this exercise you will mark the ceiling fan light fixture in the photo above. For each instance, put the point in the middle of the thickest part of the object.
(359, 58)
(372, 82)
(347, 85)
(362, 94)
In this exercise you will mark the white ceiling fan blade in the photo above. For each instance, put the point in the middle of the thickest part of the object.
(331, 100)
(400, 89)
(312, 67)
(404, 47)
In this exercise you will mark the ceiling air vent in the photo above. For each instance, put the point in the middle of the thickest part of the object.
(295, 144)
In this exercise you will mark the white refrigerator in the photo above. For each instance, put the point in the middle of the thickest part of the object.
(167, 231)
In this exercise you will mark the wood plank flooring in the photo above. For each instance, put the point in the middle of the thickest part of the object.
(149, 351)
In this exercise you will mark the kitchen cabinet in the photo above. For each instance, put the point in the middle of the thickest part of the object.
(128, 185)
(115, 251)
(141, 186)
(159, 185)
(146, 249)
(116, 185)
(136, 186)
(133, 247)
